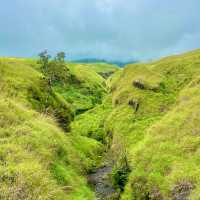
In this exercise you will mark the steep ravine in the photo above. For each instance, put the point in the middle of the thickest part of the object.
(99, 177)
(141, 137)
(91, 124)
(134, 119)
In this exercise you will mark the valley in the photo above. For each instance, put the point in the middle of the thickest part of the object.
(101, 132)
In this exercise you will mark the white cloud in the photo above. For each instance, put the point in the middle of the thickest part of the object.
(114, 29)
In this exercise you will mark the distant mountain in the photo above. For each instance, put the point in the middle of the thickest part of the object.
(96, 60)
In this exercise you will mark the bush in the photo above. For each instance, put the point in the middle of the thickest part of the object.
(44, 99)
(120, 173)
(56, 72)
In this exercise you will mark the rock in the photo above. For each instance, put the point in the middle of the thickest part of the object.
(117, 102)
(182, 190)
(156, 194)
(138, 84)
(155, 88)
(134, 104)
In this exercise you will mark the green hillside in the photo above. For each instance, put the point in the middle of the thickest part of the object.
(155, 117)
(38, 159)
(142, 121)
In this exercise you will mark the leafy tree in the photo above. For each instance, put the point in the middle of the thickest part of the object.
(60, 57)
(44, 59)
(55, 71)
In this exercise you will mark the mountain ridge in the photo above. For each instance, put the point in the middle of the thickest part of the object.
(96, 60)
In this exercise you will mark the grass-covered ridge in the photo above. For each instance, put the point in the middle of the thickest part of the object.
(155, 117)
(38, 159)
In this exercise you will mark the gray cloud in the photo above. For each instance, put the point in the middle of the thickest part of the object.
(112, 29)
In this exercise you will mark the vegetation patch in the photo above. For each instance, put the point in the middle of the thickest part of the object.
(60, 120)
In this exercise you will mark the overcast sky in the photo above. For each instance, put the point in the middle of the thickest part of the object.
(111, 29)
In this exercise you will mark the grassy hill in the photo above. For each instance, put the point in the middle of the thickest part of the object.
(150, 123)
(144, 118)
(89, 86)
(155, 118)
(38, 160)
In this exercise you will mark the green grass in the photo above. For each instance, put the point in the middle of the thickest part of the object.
(91, 124)
(30, 145)
(38, 160)
(158, 138)
(87, 88)
(147, 114)
(100, 68)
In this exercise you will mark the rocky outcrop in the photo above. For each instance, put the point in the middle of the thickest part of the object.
(182, 190)
(139, 84)
(134, 104)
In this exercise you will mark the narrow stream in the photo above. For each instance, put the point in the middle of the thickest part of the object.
(100, 180)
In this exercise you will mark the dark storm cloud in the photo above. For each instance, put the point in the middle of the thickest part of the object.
(112, 29)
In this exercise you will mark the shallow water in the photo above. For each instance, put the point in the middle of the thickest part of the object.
(100, 180)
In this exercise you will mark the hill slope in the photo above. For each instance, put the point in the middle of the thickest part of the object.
(143, 121)
(155, 118)
(38, 159)
(150, 123)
